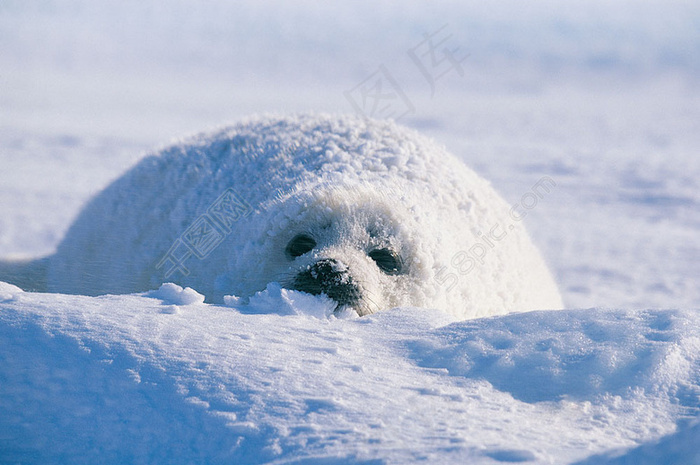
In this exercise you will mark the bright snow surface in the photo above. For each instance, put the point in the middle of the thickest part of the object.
(142, 379)
(602, 96)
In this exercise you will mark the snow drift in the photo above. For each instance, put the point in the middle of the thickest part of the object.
(162, 377)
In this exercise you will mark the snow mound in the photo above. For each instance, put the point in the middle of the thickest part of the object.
(8, 292)
(275, 299)
(176, 295)
(602, 352)
(406, 221)
(114, 379)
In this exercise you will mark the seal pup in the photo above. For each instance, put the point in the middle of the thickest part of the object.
(367, 212)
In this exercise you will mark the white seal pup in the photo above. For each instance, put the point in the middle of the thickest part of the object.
(369, 213)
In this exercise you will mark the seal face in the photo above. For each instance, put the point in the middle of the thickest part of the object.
(323, 270)
(348, 251)
(370, 214)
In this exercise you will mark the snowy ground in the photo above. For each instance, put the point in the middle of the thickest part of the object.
(147, 380)
(603, 97)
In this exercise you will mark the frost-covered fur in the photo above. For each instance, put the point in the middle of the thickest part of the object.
(353, 185)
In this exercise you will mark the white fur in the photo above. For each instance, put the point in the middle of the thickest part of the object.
(352, 183)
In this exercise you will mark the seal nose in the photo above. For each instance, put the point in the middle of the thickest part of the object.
(329, 277)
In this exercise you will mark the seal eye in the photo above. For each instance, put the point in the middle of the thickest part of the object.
(300, 245)
(386, 260)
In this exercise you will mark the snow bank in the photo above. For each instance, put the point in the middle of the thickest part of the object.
(115, 379)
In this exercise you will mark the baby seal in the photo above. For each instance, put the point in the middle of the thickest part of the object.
(371, 214)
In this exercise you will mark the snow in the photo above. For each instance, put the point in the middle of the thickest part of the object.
(675, 449)
(276, 299)
(176, 295)
(600, 96)
(246, 385)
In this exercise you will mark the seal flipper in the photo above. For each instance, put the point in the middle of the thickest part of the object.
(30, 275)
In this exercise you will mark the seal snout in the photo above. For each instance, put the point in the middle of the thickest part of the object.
(330, 277)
